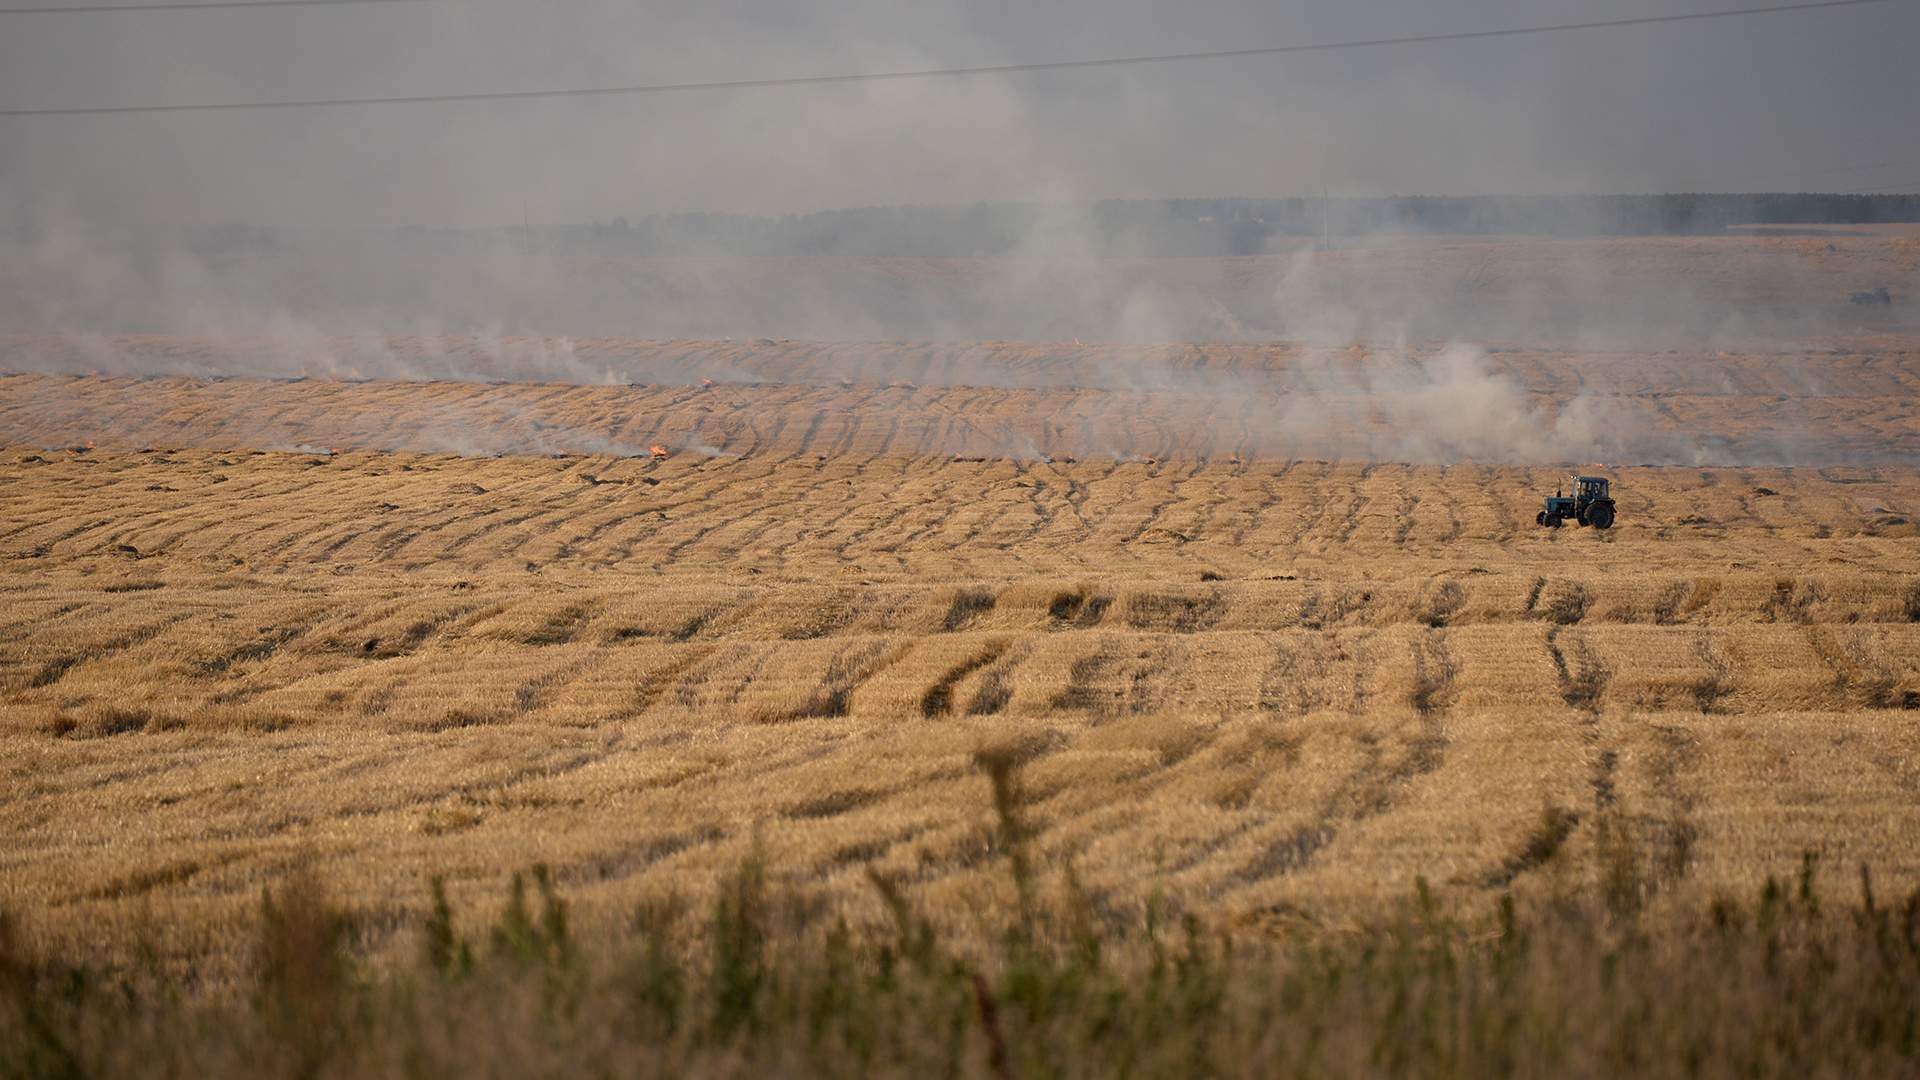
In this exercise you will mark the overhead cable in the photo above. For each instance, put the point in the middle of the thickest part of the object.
(929, 73)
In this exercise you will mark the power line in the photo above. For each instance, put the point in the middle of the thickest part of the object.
(933, 73)
(193, 5)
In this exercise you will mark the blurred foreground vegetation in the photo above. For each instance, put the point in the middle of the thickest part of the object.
(1587, 982)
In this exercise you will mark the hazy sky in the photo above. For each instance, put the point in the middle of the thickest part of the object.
(1818, 100)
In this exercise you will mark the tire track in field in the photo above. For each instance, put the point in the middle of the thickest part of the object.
(978, 526)
(502, 793)
(1317, 505)
(1452, 503)
(706, 519)
(1210, 504)
(53, 670)
(1356, 502)
(1719, 680)
(937, 699)
(855, 414)
(1154, 472)
(1582, 677)
(943, 477)
(566, 511)
(715, 620)
(853, 667)
(829, 524)
(1251, 521)
(878, 527)
(765, 520)
(535, 693)
(1859, 680)
(1583, 683)
(425, 529)
(1670, 832)
(1409, 505)
(1089, 689)
(687, 490)
(495, 520)
(28, 522)
(1380, 782)
(75, 532)
(1510, 523)
(42, 621)
(1077, 494)
(262, 647)
(1282, 688)
(662, 413)
(757, 658)
(654, 686)
(1027, 478)
(490, 519)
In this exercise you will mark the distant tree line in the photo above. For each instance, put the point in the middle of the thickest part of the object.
(1158, 227)
(1217, 226)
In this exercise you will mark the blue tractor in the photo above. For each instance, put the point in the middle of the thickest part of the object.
(1588, 505)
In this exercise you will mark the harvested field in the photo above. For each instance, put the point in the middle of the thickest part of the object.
(1273, 687)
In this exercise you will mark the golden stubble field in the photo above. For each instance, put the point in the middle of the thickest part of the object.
(1273, 688)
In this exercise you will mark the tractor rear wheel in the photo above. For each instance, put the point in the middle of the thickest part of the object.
(1601, 517)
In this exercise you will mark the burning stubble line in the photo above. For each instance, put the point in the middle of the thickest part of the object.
(1358, 388)
(1060, 280)
(1420, 410)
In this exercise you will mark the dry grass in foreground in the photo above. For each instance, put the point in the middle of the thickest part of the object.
(1581, 983)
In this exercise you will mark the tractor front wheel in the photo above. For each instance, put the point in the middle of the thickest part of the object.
(1540, 518)
(1600, 517)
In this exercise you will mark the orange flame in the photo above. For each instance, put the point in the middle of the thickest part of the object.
(658, 451)
(706, 382)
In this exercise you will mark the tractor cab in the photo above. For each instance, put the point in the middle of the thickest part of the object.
(1590, 504)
